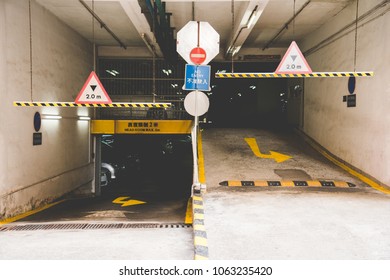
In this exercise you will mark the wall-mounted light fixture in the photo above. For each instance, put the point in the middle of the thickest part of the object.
(51, 117)
(84, 118)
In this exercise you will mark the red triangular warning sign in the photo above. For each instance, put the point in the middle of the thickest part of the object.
(93, 92)
(293, 62)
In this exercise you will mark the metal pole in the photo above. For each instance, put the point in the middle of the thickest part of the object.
(195, 154)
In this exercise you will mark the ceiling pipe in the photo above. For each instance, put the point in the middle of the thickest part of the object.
(148, 44)
(159, 22)
(286, 25)
(102, 24)
(335, 35)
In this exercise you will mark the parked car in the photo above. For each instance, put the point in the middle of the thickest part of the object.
(110, 166)
(104, 177)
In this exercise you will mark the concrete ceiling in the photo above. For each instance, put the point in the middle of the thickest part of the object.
(125, 19)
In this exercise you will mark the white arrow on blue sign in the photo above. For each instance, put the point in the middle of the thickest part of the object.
(197, 77)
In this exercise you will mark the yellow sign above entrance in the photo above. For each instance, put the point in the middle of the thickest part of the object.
(141, 126)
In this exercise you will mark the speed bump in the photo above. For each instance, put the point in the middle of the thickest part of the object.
(286, 183)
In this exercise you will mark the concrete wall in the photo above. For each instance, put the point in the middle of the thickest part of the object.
(360, 135)
(61, 62)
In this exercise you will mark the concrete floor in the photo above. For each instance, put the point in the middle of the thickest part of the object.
(242, 223)
(287, 223)
(105, 244)
(165, 203)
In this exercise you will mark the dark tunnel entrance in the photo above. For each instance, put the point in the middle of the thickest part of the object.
(153, 170)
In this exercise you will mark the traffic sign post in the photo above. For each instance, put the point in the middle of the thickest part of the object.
(93, 92)
(197, 77)
(200, 38)
(293, 62)
(196, 103)
(197, 43)
(198, 55)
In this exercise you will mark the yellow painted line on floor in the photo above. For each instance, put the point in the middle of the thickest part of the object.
(278, 157)
(197, 198)
(127, 201)
(189, 218)
(200, 241)
(198, 216)
(201, 171)
(200, 258)
(351, 171)
(196, 206)
(199, 227)
(29, 213)
(201, 251)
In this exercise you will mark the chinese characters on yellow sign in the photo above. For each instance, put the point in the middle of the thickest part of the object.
(141, 126)
(135, 126)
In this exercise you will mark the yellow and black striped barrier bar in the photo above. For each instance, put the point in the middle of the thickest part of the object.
(286, 183)
(73, 104)
(200, 235)
(311, 75)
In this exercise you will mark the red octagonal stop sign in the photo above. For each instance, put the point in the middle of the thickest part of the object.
(198, 55)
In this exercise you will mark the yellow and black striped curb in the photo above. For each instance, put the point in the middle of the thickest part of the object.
(285, 183)
(200, 235)
(311, 75)
(73, 104)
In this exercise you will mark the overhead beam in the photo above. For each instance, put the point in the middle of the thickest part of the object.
(247, 18)
(102, 24)
(159, 22)
(133, 11)
(286, 25)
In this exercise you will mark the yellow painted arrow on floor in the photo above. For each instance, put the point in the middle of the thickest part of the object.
(130, 202)
(278, 157)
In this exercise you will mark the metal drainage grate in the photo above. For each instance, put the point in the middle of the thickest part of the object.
(88, 226)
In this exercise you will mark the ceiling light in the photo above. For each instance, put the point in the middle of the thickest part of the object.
(111, 72)
(235, 50)
(252, 18)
